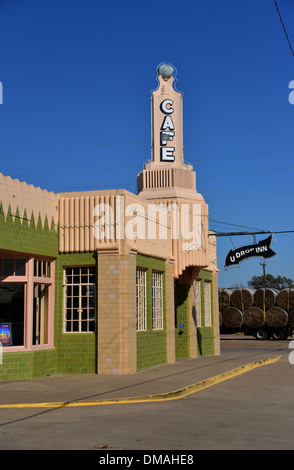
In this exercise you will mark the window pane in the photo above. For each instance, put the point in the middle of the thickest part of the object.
(76, 279)
(44, 273)
(68, 279)
(157, 307)
(81, 296)
(68, 291)
(20, 267)
(40, 314)
(75, 291)
(141, 300)
(84, 326)
(84, 302)
(12, 311)
(35, 267)
(8, 267)
(197, 301)
(75, 314)
(207, 303)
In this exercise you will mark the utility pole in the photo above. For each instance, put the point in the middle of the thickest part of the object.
(264, 279)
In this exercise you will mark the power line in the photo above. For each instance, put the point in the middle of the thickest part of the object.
(109, 144)
(65, 172)
(249, 195)
(288, 40)
(240, 155)
(233, 225)
(229, 234)
(246, 173)
(91, 170)
(245, 129)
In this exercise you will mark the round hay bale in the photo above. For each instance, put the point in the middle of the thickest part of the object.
(291, 318)
(276, 317)
(232, 317)
(254, 317)
(285, 299)
(265, 298)
(224, 298)
(242, 298)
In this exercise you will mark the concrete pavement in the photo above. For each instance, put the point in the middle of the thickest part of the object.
(166, 382)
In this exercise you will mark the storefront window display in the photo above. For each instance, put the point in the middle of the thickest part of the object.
(26, 302)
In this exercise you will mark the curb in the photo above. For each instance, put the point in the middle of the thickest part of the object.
(183, 392)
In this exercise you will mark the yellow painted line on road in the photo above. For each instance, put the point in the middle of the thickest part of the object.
(183, 392)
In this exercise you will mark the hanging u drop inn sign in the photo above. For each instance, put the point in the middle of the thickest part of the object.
(260, 249)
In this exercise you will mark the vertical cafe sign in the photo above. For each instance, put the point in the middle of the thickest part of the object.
(167, 131)
(167, 125)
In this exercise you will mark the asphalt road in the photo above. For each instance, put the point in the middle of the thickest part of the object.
(252, 411)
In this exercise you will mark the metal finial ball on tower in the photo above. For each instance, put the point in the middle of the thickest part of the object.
(165, 70)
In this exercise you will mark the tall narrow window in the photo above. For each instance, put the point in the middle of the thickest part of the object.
(207, 303)
(141, 299)
(197, 301)
(80, 299)
(40, 314)
(157, 306)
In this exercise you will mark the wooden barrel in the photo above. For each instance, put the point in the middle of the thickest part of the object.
(291, 317)
(265, 298)
(232, 317)
(254, 317)
(242, 298)
(224, 298)
(276, 317)
(285, 299)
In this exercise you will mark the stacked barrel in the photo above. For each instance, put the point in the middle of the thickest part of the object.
(254, 308)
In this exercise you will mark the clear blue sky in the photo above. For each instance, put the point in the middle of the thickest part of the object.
(77, 77)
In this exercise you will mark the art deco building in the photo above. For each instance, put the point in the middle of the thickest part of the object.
(110, 282)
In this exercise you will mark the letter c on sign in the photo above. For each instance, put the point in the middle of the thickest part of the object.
(164, 109)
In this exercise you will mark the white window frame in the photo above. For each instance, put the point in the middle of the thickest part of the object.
(30, 279)
(141, 320)
(207, 303)
(197, 300)
(78, 309)
(157, 300)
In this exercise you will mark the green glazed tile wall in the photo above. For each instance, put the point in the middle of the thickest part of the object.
(24, 235)
(205, 334)
(151, 344)
(76, 352)
(182, 342)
